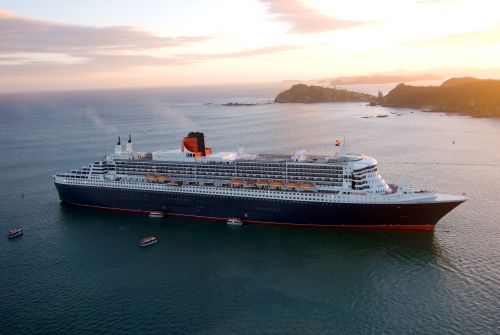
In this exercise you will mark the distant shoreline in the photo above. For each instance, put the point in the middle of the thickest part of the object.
(479, 98)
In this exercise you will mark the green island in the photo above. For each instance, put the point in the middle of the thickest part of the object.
(303, 93)
(469, 96)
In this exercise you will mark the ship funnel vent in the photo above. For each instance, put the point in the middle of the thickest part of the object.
(129, 144)
(118, 148)
(195, 142)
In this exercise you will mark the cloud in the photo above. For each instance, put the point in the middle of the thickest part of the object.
(113, 63)
(20, 34)
(464, 40)
(13, 59)
(307, 20)
(433, 2)
(246, 53)
(94, 63)
(92, 49)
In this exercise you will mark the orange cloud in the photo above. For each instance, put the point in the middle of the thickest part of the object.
(307, 20)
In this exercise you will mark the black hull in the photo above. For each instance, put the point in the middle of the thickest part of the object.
(423, 216)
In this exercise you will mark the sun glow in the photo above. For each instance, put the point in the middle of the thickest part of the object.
(255, 40)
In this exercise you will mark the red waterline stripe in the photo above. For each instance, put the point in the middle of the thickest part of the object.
(428, 227)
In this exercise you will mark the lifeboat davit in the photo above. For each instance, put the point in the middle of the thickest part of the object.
(291, 184)
(236, 181)
(307, 186)
(162, 179)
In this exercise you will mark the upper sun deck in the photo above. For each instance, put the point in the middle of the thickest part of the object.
(193, 150)
(176, 156)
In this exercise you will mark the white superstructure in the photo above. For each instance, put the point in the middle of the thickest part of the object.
(341, 178)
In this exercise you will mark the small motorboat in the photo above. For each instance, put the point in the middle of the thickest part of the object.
(234, 222)
(156, 214)
(147, 241)
(14, 232)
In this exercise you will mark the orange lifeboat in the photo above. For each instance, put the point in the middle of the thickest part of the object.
(173, 183)
(276, 183)
(250, 182)
(150, 177)
(291, 184)
(261, 183)
(162, 179)
(236, 181)
(307, 186)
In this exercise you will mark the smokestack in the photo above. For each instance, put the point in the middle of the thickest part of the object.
(129, 144)
(201, 141)
(118, 148)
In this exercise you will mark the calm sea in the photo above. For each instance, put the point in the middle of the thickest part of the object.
(80, 271)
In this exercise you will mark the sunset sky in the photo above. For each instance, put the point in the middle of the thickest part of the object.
(60, 44)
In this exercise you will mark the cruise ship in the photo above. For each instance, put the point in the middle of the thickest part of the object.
(342, 190)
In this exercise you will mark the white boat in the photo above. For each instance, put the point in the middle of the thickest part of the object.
(147, 241)
(156, 214)
(14, 232)
(234, 222)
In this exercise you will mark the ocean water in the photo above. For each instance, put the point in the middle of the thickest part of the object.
(80, 271)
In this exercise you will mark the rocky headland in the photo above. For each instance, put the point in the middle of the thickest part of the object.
(468, 96)
(303, 93)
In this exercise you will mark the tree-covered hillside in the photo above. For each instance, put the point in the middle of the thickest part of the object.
(469, 96)
(304, 93)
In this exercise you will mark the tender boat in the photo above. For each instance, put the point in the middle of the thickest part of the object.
(234, 222)
(156, 214)
(14, 232)
(147, 241)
